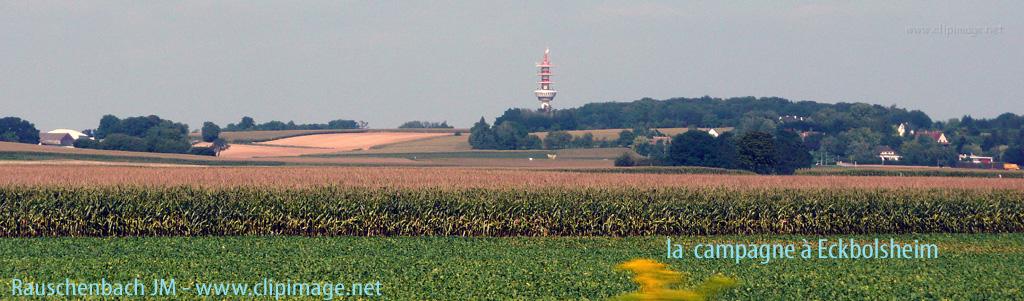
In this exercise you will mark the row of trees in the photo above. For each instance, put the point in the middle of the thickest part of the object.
(782, 152)
(508, 135)
(249, 124)
(425, 125)
(718, 112)
(513, 136)
(140, 134)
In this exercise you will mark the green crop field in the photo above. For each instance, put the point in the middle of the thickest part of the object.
(489, 242)
(981, 267)
(185, 211)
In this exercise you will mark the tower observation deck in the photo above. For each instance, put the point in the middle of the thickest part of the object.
(545, 94)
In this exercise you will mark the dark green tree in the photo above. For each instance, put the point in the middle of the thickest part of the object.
(790, 153)
(246, 123)
(202, 151)
(583, 141)
(756, 152)
(625, 160)
(481, 136)
(926, 152)
(726, 155)
(425, 125)
(626, 138)
(124, 142)
(155, 134)
(339, 124)
(84, 142)
(692, 148)
(1014, 154)
(167, 139)
(14, 129)
(210, 131)
(532, 142)
(108, 125)
(510, 135)
(861, 144)
(557, 140)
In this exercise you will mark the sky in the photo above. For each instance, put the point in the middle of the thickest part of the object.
(64, 64)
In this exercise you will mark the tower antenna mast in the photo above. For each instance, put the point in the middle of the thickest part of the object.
(545, 94)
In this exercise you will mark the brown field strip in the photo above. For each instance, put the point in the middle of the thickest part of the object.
(79, 175)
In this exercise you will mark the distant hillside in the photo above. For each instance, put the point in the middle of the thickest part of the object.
(717, 112)
(849, 132)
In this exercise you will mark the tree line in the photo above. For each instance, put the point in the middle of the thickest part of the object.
(138, 134)
(781, 152)
(512, 136)
(714, 113)
(14, 129)
(249, 124)
(425, 125)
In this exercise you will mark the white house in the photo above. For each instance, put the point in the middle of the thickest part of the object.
(713, 133)
(902, 129)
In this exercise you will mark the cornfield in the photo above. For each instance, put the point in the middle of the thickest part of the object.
(333, 210)
(444, 177)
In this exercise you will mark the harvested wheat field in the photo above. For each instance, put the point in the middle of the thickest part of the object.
(350, 141)
(451, 177)
(321, 144)
(447, 143)
(248, 151)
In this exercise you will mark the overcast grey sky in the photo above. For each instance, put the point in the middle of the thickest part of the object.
(64, 64)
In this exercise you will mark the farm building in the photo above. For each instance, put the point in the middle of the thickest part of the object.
(74, 134)
(888, 154)
(976, 159)
(56, 139)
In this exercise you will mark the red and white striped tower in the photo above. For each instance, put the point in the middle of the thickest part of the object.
(545, 94)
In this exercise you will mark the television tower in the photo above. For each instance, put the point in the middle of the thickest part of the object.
(545, 94)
